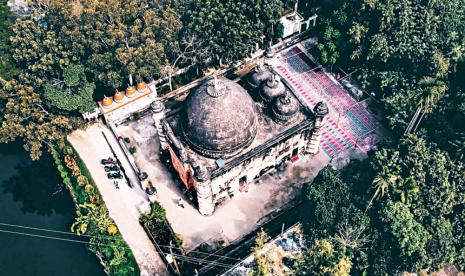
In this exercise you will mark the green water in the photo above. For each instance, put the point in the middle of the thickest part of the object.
(31, 194)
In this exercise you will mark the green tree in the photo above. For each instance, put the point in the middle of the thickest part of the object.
(382, 182)
(231, 28)
(112, 39)
(323, 258)
(7, 68)
(409, 235)
(431, 91)
(325, 197)
(91, 215)
(333, 36)
(22, 115)
(264, 266)
(74, 92)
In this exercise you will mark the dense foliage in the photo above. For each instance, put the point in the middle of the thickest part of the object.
(400, 210)
(22, 115)
(231, 28)
(71, 93)
(112, 39)
(7, 69)
(157, 224)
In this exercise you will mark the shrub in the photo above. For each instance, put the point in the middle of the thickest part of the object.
(64, 175)
(82, 180)
(157, 224)
(69, 150)
(112, 229)
(136, 116)
(132, 150)
(127, 140)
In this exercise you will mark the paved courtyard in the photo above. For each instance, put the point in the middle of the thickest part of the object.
(236, 217)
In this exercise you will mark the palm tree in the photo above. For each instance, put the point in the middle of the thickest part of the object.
(432, 90)
(382, 181)
(406, 188)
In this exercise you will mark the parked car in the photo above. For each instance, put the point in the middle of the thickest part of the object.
(111, 168)
(143, 176)
(116, 175)
(108, 161)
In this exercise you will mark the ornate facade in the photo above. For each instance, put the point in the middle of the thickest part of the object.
(223, 137)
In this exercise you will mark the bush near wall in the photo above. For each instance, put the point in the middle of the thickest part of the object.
(157, 224)
(92, 215)
(158, 227)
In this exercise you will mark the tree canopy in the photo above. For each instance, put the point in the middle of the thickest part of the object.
(7, 67)
(231, 28)
(112, 39)
(417, 217)
(22, 115)
(74, 92)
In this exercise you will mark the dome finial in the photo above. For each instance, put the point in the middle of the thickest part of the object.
(215, 87)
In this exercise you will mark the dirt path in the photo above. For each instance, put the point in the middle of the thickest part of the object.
(122, 203)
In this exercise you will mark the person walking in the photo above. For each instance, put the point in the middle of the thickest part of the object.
(181, 202)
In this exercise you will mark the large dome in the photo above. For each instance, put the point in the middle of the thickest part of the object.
(219, 118)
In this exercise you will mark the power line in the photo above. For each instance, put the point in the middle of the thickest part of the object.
(180, 257)
(54, 231)
(55, 238)
(104, 237)
(201, 261)
(187, 258)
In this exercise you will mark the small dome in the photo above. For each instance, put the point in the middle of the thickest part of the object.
(320, 109)
(219, 118)
(130, 91)
(107, 102)
(118, 97)
(272, 89)
(285, 108)
(141, 86)
(259, 75)
(157, 106)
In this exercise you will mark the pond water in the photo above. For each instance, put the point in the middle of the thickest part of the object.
(31, 194)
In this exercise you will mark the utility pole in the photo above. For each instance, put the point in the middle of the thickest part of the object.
(174, 259)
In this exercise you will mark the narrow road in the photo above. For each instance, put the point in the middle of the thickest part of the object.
(122, 203)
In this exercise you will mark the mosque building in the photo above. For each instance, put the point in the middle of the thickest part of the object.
(224, 136)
